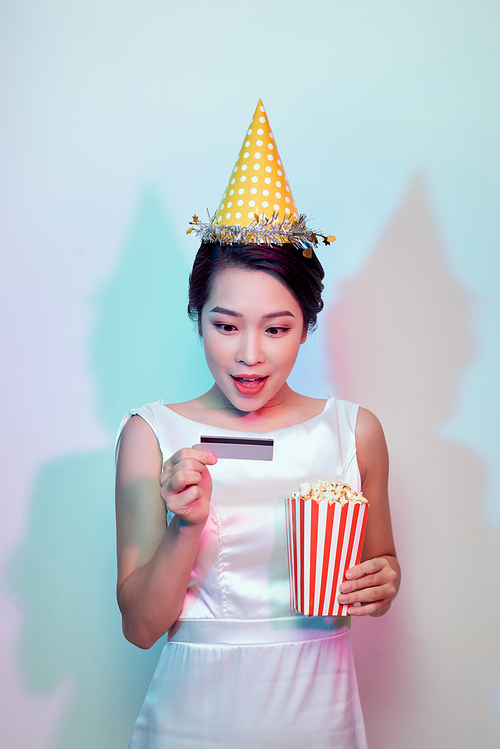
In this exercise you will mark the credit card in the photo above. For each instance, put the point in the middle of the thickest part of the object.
(240, 448)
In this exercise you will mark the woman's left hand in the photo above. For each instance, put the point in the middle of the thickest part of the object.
(373, 584)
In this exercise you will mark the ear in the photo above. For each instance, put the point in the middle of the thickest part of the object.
(304, 335)
(200, 329)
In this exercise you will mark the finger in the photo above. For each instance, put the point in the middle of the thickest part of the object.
(187, 464)
(183, 502)
(378, 608)
(365, 568)
(211, 458)
(368, 581)
(189, 453)
(386, 576)
(181, 480)
(367, 595)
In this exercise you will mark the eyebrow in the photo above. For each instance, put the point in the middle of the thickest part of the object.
(224, 311)
(232, 313)
(281, 313)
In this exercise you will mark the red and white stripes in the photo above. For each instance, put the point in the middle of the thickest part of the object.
(324, 540)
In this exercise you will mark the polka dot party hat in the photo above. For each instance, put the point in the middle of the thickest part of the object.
(257, 206)
(258, 182)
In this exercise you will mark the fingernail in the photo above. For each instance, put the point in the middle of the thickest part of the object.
(212, 460)
(349, 575)
(343, 599)
(345, 587)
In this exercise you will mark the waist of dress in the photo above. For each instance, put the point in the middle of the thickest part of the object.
(258, 631)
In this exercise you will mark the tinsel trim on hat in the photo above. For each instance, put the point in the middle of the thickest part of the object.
(262, 230)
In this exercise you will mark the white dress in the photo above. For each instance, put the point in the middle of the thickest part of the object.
(243, 670)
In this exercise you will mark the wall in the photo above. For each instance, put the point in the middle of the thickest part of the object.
(121, 120)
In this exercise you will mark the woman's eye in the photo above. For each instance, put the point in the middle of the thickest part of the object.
(277, 331)
(225, 327)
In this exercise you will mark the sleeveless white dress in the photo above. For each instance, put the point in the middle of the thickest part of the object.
(243, 670)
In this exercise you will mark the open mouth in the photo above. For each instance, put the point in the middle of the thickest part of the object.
(249, 385)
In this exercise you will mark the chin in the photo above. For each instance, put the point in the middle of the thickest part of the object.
(244, 403)
(247, 405)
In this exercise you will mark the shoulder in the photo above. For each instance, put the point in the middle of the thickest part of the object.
(368, 427)
(136, 427)
(137, 448)
(371, 446)
(132, 427)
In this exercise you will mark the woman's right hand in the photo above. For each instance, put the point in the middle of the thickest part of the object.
(186, 484)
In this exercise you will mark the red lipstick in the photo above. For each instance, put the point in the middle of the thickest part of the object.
(249, 385)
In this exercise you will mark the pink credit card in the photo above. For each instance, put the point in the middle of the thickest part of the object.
(239, 448)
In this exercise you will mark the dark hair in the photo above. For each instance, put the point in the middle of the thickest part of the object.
(303, 276)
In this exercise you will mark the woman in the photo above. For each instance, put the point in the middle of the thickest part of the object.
(201, 542)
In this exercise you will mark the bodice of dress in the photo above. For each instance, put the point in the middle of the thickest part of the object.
(240, 571)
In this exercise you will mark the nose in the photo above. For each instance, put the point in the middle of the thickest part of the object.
(249, 351)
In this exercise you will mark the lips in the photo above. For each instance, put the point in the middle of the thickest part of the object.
(249, 385)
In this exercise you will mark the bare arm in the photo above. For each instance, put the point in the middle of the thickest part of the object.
(155, 561)
(375, 581)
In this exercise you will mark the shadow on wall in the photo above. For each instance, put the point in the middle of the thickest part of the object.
(400, 328)
(143, 348)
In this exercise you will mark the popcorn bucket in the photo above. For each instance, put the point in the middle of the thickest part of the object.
(323, 540)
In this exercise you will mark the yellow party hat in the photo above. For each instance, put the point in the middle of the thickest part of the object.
(257, 206)
(258, 183)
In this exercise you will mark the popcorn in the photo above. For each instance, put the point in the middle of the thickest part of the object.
(322, 491)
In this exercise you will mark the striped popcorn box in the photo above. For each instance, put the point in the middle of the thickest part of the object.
(325, 531)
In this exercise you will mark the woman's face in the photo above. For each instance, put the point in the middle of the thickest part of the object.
(252, 328)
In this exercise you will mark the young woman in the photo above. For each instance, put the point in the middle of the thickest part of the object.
(202, 544)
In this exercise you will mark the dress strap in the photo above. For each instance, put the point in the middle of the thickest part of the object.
(347, 414)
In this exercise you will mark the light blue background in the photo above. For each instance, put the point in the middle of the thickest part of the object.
(121, 120)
